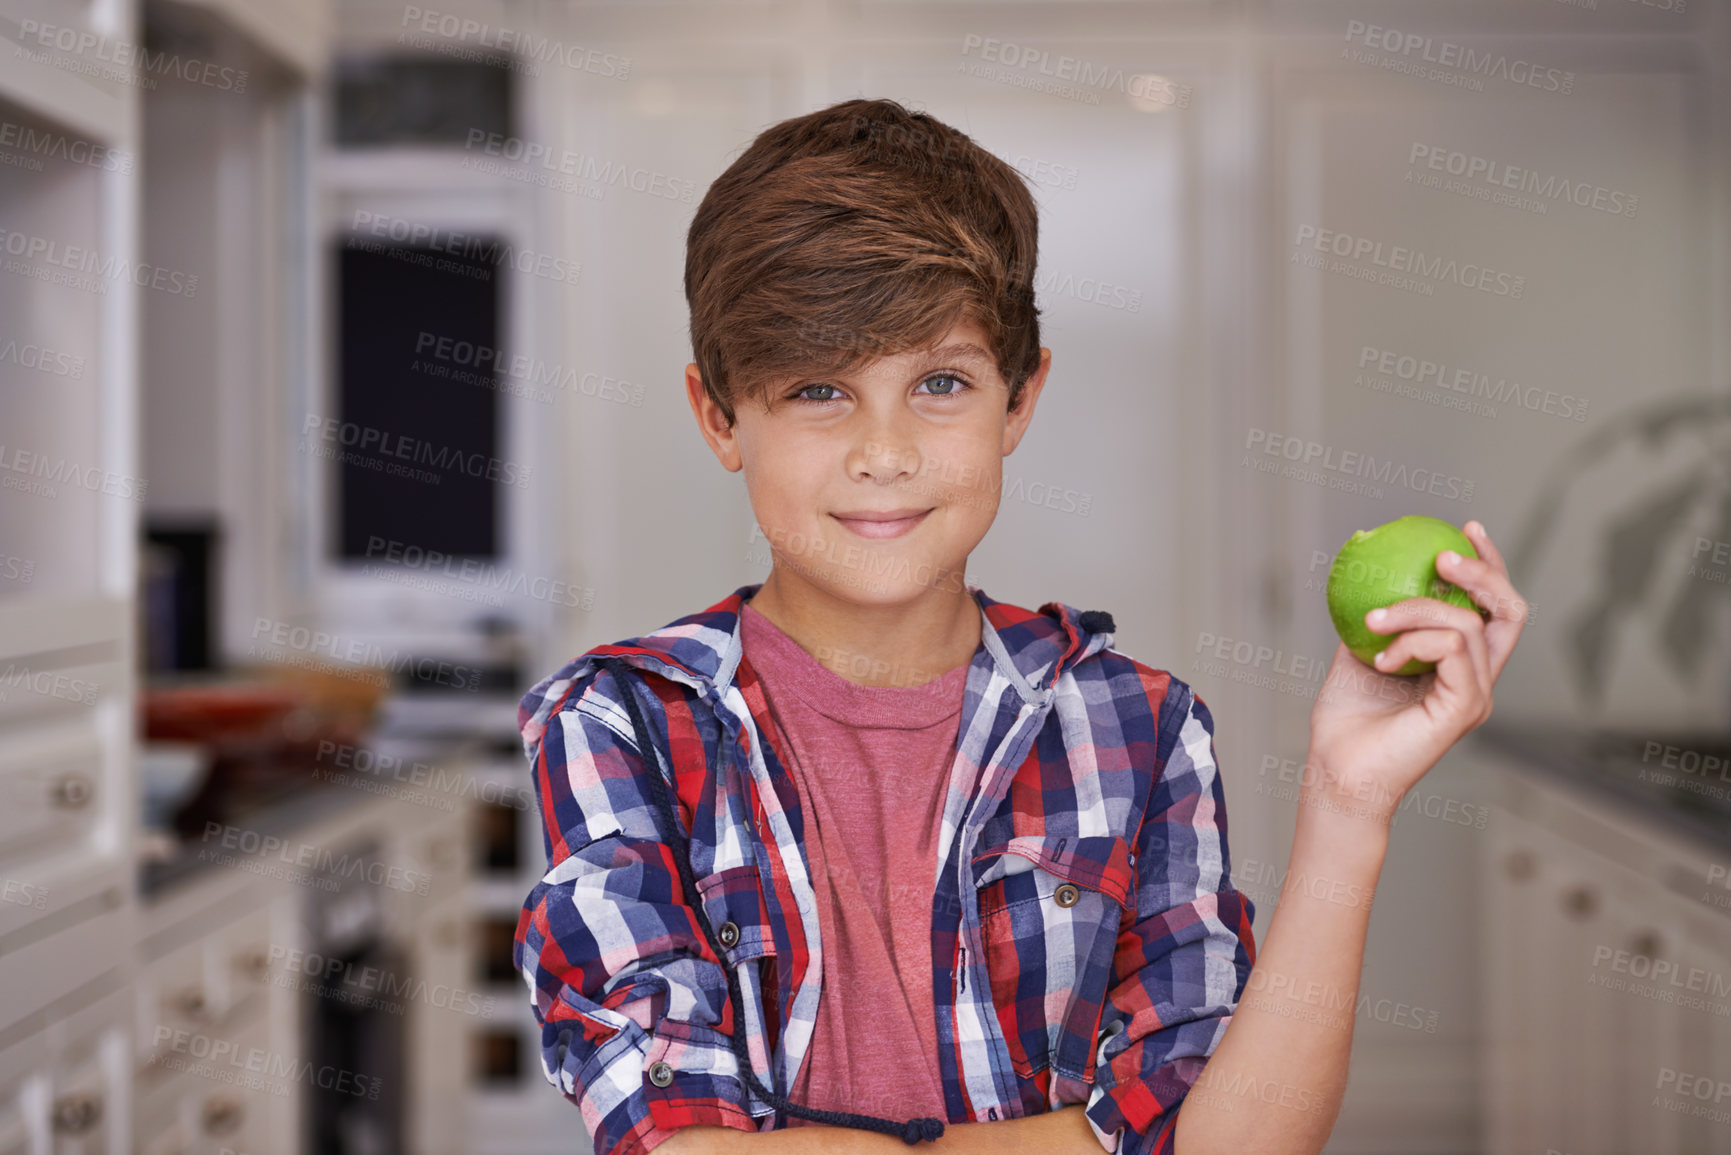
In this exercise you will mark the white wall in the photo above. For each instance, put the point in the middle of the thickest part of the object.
(219, 181)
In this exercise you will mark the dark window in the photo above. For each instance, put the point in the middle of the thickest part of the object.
(496, 838)
(417, 433)
(496, 943)
(416, 100)
(498, 1057)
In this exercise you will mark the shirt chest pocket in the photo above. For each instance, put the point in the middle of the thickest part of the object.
(1050, 910)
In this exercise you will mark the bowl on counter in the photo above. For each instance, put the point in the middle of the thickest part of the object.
(169, 773)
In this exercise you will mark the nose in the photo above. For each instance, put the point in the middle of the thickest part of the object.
(885, 456)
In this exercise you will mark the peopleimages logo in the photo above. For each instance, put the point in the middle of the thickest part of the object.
(533, 372)
(43, 360)
(280, 641)
(529, 46)
(472, 247)
(1400, 259)
(39, 474)
(1501, 391)
(125, 56)
(254, 1068)
(584, 167)
(1353, 464)
(365, 439)
(329, 865)
(87, 269)
(1487, 178)
(431, 562)
(1411, 47)
(59, 146)
(1071, 76)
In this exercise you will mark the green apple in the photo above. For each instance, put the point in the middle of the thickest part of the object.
(1381, 566)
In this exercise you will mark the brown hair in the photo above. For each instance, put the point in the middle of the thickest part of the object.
(858, 231)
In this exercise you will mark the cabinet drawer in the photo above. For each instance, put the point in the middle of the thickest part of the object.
(67, 1090)
(86, 931)
(438, 854)
(210, 1103)
(238, 963)
(86, 1102)
(51, 791)
(171, 996)
(64, 868)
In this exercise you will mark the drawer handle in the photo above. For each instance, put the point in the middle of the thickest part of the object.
(1646, 944)
(222, 1115)
(254, 964)
(1519, 865)
(1580, 902)
(190, 1003)
(71, 791)
(76, 1113)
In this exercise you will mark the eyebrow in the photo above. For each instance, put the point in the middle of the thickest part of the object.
(965, 349)
(957, 351)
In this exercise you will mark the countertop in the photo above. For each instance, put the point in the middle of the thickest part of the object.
(1680, 781)
(391, 765)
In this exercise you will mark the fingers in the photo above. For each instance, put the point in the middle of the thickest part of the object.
(1414, 613)
(1460, 666)
(1481, 540)
(1486, 581)
(1428, 616)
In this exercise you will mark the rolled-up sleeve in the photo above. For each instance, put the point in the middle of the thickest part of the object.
(1182, 964)
(619, 975)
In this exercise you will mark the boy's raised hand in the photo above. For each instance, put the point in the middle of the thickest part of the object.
(1374, 735)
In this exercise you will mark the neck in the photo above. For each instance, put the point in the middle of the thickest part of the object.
(900, 644)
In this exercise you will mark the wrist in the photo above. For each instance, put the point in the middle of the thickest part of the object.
(1343, 831)
(1350, 808)
(1355, 795)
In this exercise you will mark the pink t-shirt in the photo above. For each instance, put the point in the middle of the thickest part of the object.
(872, 766)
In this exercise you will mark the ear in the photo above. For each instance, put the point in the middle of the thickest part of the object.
(1017, 420)
(712, 422)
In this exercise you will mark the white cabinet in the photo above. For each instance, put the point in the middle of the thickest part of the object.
(198, 1113)
(1607, 976)
(439, 1033)
(65, 1090)
(68, 524)
(447, 1005)
(84, 1091)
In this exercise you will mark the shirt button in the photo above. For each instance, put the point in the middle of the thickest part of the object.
(728, 933)
(660, 1074)
(1066, 895)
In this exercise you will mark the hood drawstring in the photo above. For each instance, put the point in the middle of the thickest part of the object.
(910, 1132)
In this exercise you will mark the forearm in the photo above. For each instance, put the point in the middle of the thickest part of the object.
(1274, 1084)
(1063, 1132)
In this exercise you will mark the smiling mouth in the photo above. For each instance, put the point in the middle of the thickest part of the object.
(880, 525)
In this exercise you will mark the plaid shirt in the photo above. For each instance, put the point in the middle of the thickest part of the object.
(1088, 945)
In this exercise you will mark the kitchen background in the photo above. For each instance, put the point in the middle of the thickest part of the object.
(266, 821)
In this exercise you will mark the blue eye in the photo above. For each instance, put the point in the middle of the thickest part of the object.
(959, 384)
(957, 387)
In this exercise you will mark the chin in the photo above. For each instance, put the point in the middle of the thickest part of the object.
(903, 580)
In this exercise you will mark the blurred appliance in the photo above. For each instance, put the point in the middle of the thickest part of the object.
(179, 595)
(351, 1032)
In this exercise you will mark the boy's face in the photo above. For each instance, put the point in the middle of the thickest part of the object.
(875, 485)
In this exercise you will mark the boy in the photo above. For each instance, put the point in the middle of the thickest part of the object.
(858, 851)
